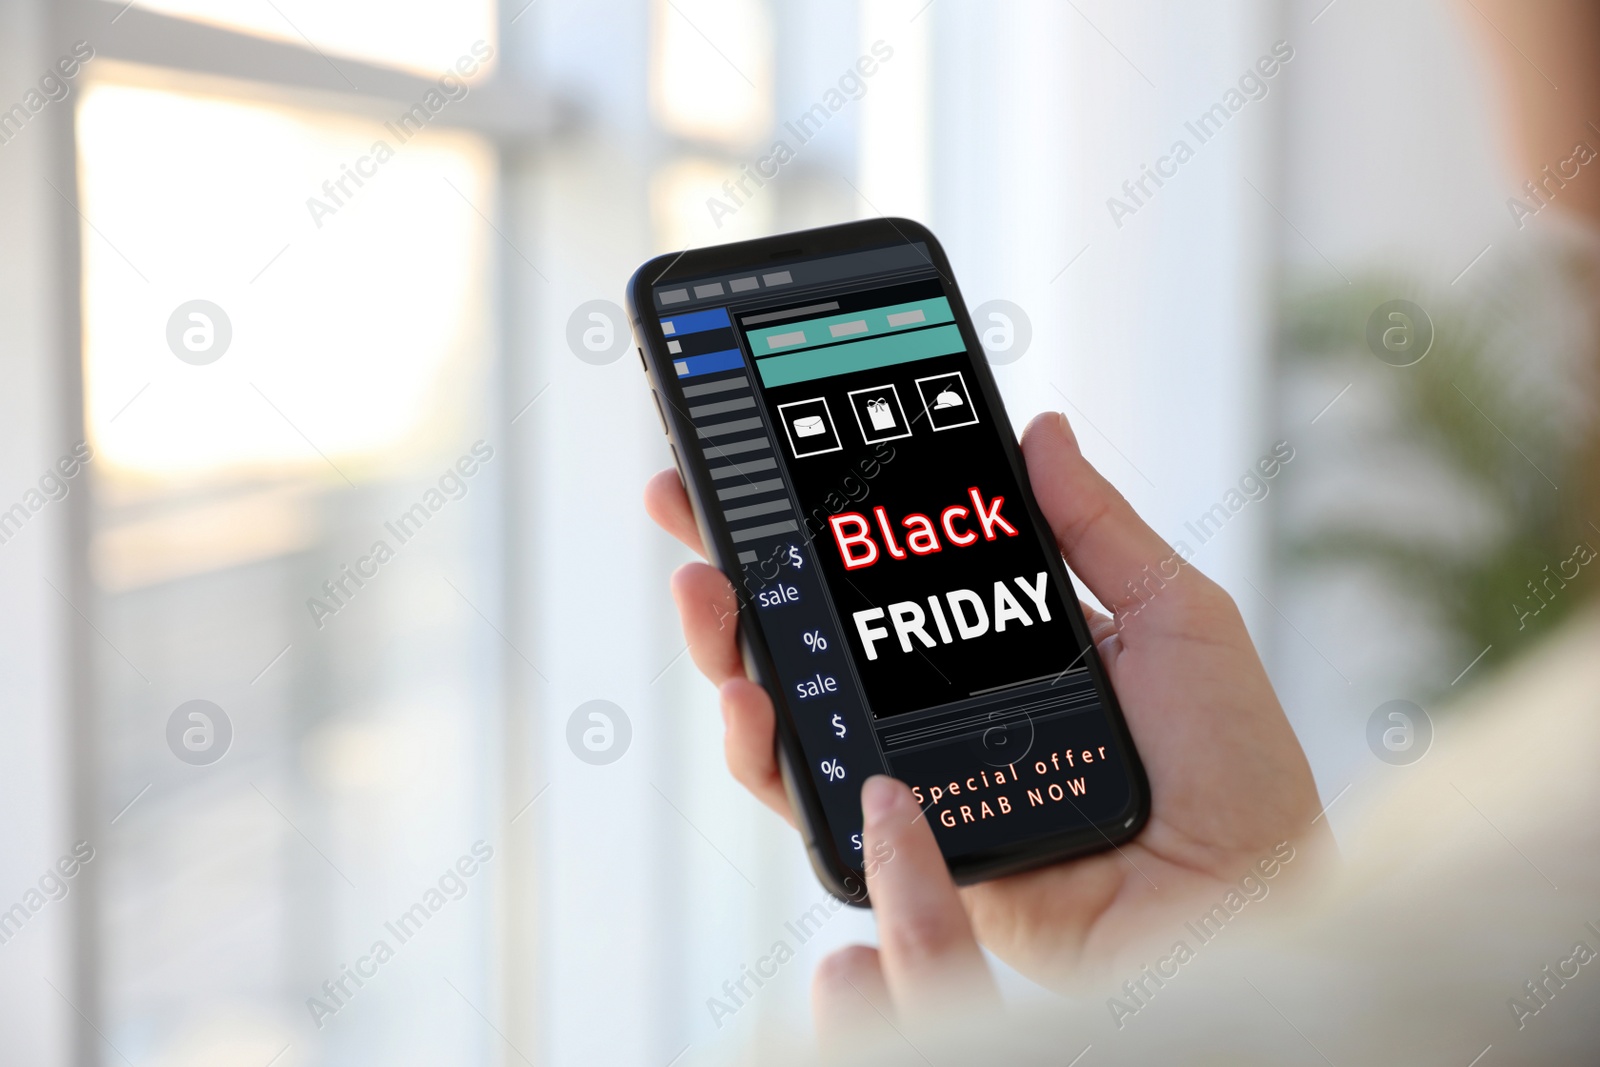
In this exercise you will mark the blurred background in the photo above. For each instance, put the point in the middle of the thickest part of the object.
(301, 279)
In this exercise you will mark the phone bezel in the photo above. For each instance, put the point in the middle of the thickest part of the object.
(838, 875)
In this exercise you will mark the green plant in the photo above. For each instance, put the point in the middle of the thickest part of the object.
(1494, 423)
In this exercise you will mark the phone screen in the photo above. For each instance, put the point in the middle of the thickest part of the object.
(911, 608)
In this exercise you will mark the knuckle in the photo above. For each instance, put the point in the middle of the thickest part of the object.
(847, 962)
(919, 936)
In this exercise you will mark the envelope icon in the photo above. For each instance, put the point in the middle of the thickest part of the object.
(809, 426)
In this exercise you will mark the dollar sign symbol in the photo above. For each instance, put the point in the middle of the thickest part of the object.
(838, 726)
(794, 556)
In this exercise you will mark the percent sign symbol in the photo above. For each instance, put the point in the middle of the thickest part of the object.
(833, 769)
(814, 640)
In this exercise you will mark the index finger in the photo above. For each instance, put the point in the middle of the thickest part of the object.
(931, 959)
(668, 504)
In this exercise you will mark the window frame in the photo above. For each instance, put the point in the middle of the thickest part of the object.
(515, 118)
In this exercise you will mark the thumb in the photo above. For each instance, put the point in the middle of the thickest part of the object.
(1104, 540)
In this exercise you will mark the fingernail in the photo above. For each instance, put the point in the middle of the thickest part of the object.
(879, 796)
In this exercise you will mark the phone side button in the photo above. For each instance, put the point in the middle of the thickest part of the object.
(659, 413)
(642, 364)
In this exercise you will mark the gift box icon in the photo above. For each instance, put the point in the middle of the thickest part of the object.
(879, 413)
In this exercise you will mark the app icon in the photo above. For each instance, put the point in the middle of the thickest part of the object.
(809, 426)
(879, 414)
(946, 400)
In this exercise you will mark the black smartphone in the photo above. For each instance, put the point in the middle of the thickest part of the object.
(852, 470)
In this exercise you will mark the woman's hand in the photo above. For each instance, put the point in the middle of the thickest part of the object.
(1227, 776)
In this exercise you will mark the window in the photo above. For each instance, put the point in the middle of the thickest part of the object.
(413, 35)
(289, 389)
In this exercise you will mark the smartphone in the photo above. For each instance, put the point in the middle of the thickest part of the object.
(852, 470)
